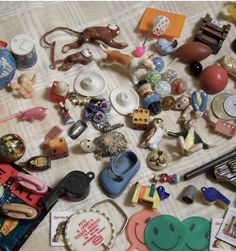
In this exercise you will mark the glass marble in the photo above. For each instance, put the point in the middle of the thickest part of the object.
(195, 68)
(169, 75)
(168, 103)
(178, 86)
(159, 63)
(153, 77)
(163, 88)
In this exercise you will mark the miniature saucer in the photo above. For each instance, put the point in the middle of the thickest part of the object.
(124, 100)
(90, 83)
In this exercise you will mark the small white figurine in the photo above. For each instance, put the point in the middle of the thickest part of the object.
(154, 135)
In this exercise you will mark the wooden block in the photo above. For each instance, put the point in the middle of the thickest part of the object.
(176, 22)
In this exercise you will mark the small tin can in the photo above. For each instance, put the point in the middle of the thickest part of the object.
(23, 49)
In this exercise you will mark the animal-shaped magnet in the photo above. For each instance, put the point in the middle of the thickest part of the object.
(165, 233)
(197, 233)
(136, 226)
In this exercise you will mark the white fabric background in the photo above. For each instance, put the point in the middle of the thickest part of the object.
(34, 19)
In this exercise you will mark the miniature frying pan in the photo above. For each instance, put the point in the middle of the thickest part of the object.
(136, 226)
(75, 185)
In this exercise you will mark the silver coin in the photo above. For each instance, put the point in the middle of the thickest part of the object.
(230, 106)
(217, 106)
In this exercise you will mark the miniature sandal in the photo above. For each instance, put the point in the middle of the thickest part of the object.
(116, 177)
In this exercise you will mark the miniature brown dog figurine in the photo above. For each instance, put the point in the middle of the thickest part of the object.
(103, 34)
(82, 57)
(132, 64)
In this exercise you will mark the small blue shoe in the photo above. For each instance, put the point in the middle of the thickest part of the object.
(116, 177)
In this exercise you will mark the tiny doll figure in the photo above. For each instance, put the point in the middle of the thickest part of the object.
(189, 141)
(65, 113)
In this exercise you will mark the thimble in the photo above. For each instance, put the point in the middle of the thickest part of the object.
(189, 194)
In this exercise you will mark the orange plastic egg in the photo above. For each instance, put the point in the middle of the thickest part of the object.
(214, 79)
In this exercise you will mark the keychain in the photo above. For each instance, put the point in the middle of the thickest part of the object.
(92, 229)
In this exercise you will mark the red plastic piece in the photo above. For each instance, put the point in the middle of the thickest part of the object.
(54, 97)
(214, 79)
(3, 44)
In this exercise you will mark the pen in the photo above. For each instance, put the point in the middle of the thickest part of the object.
(208, 166)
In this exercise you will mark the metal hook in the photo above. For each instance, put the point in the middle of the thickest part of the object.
(119, 209)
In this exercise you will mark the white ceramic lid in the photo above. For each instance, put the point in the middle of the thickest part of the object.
(89, 230)
(124, 100)
(21, 45)
(90, 83)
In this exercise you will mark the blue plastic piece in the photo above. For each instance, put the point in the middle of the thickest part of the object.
(152, 190)
(199, 100)
(162, 193)
(212, 195)
(121, 170)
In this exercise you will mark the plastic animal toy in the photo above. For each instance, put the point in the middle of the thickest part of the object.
(154, 134)
(171, 179)
(189, 141)
(109, 144)
(166, 47)
(89, 35)
(101, 33)
(24, 86)
(82, 57)
(132, 64)
(229, 64)
(146, 194)
(30, 115)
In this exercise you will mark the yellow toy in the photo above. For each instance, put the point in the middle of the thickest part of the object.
(231, 9)
(146, 194)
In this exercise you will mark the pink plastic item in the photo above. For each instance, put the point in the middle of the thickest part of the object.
(30, 115)
(225, 128)
(31, 183)
(136, 226)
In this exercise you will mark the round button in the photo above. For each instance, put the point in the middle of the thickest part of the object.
(157, 160)
(217, 106)
(230, 106)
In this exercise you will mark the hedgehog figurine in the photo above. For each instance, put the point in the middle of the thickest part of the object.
(107, 145)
